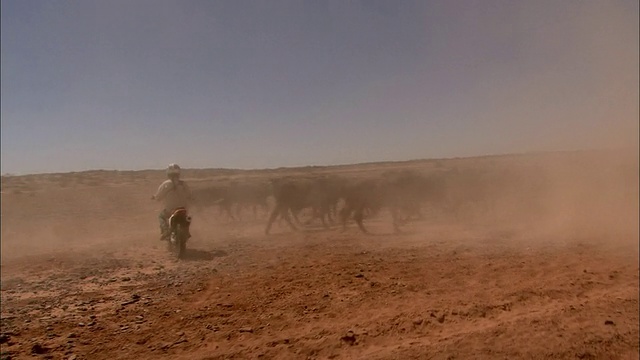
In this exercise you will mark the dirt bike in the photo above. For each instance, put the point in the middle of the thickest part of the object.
(179, 223)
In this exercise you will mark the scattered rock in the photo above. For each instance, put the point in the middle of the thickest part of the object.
(360, 275)
(585, 355)
(4, 338)
(418, 321)
(441, 318)
(72, 335)
(212, 327)
(168, 345)
(349, 338)
(609, 322)
(126, 278)
(180, 333)
(246, 329)
(39, 349)
(134, 299)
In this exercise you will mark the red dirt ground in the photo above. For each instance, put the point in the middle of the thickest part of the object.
(441, 290)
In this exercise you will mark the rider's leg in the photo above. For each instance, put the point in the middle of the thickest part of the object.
(163, 218)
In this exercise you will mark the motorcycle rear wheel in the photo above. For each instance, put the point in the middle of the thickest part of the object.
(181, 241)
(178, 242)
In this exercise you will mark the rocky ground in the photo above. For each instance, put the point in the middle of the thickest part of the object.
(326, 295)
(83, 276)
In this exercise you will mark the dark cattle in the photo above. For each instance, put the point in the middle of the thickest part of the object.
(290, 196)
(360, 196)
(247, 195)
(472, 191)
(320, 194)
(236, 196)
(399, 191)
(323, 198)
(207, 196)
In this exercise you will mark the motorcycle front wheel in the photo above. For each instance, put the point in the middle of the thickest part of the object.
(179, 244)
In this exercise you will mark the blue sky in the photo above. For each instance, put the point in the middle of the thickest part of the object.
(254, 84)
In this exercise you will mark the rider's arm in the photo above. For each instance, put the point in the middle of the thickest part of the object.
(162, 191)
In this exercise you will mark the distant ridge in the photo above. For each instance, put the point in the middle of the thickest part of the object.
(236, 171)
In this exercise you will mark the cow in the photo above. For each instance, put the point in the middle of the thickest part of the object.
(399, 191)
(243, 195)
(289, 196)
(208, 196)
(232, 198)
(292, 195)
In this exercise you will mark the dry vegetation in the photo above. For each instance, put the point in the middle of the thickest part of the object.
(537, 259)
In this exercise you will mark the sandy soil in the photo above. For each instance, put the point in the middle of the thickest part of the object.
(85, 277)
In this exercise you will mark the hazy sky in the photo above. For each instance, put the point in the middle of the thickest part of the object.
(252, 84)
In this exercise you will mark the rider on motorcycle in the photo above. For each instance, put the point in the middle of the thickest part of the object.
(174, 193)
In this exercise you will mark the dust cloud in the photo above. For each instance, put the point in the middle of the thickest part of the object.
(576, 196)
(543, 197)
(576, 95)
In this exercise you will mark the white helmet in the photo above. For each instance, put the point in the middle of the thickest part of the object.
(173, 169)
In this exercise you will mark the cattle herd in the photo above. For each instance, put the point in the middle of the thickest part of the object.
(331, 200)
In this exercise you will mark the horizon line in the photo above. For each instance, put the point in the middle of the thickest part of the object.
(294, 167)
